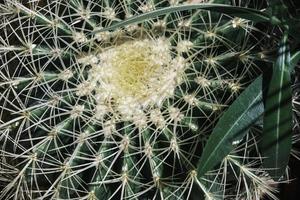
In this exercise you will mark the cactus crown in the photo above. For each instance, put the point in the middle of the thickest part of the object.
(132, 77)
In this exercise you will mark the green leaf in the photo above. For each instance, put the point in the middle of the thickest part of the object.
(277, 130)
(232, 126)
(246, 13)
(294, 60)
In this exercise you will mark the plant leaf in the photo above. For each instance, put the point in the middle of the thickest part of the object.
(294, 60)
(232, 126)
(276, 139)
(246, 13)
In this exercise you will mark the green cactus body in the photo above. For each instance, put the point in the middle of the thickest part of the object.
(120, 114)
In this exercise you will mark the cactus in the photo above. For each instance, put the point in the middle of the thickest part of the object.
(90, 113)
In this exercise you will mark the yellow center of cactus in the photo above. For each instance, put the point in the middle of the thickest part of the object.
(136, 75)
(134, 67)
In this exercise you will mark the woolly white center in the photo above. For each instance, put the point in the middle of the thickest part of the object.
(135, 76)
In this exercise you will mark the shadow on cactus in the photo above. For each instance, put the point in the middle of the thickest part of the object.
(89, 113)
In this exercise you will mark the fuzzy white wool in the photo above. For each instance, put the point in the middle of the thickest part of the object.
(135, 76)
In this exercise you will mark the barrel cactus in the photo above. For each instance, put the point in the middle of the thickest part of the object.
(89, 112)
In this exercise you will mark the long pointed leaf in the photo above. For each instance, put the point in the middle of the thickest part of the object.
(276, 138)
(232, 127)
(246, 13)
(294, 60)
